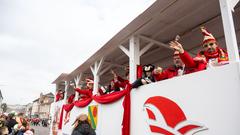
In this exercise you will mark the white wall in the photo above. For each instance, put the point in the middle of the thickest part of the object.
(109, 118)
(210, 97)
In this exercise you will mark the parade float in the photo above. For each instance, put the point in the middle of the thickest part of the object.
(202, 103)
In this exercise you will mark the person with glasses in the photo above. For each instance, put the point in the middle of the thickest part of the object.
(211, 52)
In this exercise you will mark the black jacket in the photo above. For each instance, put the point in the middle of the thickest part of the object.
(83, 129)
(10, 124)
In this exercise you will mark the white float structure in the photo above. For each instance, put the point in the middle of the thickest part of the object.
(210, 98)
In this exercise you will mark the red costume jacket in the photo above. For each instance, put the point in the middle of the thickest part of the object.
(71, 98)
(220, 54)
(196, 65)
(190, 67)
(120, 82)
(87, 93)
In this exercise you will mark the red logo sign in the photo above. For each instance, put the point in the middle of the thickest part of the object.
(167, 118)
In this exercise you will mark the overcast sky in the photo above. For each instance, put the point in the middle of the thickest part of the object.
(40, 39)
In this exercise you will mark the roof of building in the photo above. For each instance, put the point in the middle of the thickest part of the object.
(50, 94)
(36, 100)
(61, 78)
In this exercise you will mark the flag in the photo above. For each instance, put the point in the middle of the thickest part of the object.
(92, 115)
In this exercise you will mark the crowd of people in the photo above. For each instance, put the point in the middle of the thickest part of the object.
(211, 55)
(19, 124)
(15, 124)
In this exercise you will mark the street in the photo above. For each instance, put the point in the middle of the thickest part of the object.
(39, 130)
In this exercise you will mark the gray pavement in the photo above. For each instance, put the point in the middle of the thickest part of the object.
(39, 130)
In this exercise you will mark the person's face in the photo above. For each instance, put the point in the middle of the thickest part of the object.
(90, 85)
(62, 95)
(210, 47)
(177, 61)
(149, 73)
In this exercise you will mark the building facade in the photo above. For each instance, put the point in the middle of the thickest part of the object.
(28, 111)
(41, 106)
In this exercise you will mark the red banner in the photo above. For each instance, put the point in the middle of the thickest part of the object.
(106, 99)
(83, 102)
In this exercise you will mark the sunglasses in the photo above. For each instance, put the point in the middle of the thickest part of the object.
(209, 44)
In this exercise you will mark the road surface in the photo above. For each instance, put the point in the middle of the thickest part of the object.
(39, 130)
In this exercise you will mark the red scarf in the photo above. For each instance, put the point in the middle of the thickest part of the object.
(219, 53)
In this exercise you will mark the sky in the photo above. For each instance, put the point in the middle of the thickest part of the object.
(40, 39)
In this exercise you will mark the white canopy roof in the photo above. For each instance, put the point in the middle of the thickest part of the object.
(159, 24)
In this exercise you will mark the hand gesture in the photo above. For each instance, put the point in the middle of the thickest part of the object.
(158, 70)
(176, 46)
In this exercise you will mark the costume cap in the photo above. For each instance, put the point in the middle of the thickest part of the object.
(148, 68)
(207, 36)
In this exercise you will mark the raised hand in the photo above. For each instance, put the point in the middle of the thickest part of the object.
(176, 46)
(115, 77)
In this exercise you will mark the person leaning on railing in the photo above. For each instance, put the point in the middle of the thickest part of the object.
(118, 82)
(146, 78)
(177, 69)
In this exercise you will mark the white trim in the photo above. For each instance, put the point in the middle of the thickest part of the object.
(229, 31)
(66, 90)
(77, 81)
(99, 66)
(125, 50)
(233, 3)
(134, 59)
(95, 70)
(92, 69)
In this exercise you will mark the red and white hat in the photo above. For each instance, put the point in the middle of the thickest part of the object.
(207, 36)
(89, 81)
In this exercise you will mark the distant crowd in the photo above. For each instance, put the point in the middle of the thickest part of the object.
(15, 124)
(19, 124)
